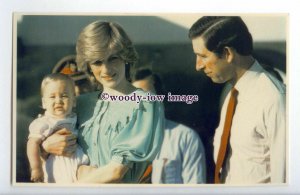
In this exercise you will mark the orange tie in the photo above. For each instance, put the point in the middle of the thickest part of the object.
(146, 177)
(226, 133)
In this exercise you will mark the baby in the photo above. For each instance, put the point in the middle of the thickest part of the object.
(58, 99)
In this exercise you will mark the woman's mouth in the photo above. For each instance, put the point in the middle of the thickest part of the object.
(108, 77)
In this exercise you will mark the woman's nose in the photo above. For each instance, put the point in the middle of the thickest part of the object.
(106, 68)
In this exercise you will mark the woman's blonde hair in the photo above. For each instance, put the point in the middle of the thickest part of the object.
(100, 39)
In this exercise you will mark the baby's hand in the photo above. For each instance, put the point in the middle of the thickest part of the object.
(37, 175)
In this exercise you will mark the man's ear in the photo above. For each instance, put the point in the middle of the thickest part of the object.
(229, 54)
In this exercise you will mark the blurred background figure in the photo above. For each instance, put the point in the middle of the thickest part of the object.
(67, 65)
(182, 157)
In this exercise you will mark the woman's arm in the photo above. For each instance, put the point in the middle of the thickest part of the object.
(62, 143)
(110, 173)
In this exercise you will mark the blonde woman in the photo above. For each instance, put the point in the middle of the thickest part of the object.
(120, 138)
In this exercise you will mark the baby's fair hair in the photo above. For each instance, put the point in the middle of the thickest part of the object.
(57, 77)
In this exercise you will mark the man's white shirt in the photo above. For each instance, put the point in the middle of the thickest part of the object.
(257, 151)
(181, 158)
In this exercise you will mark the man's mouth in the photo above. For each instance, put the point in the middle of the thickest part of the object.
(208, 73)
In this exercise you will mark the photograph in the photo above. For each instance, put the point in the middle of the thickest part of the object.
(153, 99)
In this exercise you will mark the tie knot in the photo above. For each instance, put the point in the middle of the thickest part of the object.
(234, 92)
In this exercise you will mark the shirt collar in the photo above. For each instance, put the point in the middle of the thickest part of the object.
(245, 81)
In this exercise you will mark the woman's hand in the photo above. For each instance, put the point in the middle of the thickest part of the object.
(111, 173)
(84, 170)
(62, 143)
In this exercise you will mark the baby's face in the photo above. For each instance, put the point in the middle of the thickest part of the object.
(58, 99)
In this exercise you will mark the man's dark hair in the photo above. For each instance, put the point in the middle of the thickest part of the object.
(219, 32)
(143, 73)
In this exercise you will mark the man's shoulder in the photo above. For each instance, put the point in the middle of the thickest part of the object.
(181, 130)
(183, 136)
(272, 83)
(262, 84)
(271, 88)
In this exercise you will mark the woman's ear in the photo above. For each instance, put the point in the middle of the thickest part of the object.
(127, 71)
(74, 101)
(229, 54)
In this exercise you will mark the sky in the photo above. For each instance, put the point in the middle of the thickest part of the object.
(55, 29)
(256, 23)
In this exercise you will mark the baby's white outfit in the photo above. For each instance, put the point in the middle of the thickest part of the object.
(58, 169)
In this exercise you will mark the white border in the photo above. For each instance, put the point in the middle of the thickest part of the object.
(7, 7)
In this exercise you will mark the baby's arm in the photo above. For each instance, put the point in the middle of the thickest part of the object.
(33, 153)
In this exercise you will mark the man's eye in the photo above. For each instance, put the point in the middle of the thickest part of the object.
(65, 96)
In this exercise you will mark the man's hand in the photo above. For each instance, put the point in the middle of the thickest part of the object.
(62, 143)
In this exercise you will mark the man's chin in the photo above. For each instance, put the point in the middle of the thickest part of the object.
(217, 81)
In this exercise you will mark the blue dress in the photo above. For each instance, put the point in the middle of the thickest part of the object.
(129, 133)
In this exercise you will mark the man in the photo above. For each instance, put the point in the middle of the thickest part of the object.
(181, 158)
(250, 141)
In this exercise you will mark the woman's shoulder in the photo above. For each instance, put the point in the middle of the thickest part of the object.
(88, 96)
(139, 91)
(86, 102)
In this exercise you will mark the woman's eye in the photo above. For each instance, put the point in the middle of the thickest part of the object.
(114, 58)
(97, 63)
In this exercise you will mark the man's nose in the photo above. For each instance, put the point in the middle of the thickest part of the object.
(199, 65)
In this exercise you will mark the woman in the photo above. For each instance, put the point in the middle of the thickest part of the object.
(120, 138)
